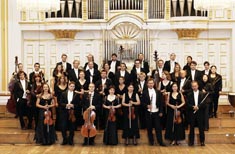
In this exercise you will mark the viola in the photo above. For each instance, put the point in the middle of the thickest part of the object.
(177, 117)
(48, 120)
(112, 113)
(131, 112)
(72, 117)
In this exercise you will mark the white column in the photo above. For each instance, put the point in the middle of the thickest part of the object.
(232, 60)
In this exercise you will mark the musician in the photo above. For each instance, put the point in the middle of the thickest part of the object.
(216, 80)
(91, 100)
(90, 58)
(122, 73)
(151, 100)
(157, 73)
(69, 101)
(66, 66)
(176, 74)
(144, 64)
(45, 132)
(36, 71)
(111, 105)
(57, 72)
(196, 109)
(92, 75)
(21, 90)
(207, 88)
(110, 75)
(170, 64)
(206, 70)
(82, 83)
(174, 126)
(142, 85)
(187, 66)
(136, 71)
(114, 63)
(74, 73)
(60, 87)
(15, 75)
(194, 74)
(102, 85)
(36, 89)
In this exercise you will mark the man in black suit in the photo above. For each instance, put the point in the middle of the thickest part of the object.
(196, 113)
(207, 70)
(66, 66)
(170, 64)
(69, 101)
(194, 74)
(20, 91)
(136, 71)
(90, 58)
(92, 75)
(124, 73)
(92, 101)
(36, 71)
(187, 66)
(151, 101)
(74, 73)
(114, 63)
(144, 64)
(157, 73)
(103, 84)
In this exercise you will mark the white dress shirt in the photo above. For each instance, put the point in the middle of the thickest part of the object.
(196, 93)
(193, 74)
(113, 66)
(76, 72)
(91, 97)
(153, 99)
(138, 70)
(172, 66)
(142, 84)
(70, 96)
(91, 74)
(122, 73)
(207, 72)
(182, 83)
(24, 88)
(64, 65)
(160, 72)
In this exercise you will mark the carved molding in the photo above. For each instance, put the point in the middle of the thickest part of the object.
(64, 34)
(188, 33)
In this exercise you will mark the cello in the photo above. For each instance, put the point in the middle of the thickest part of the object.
(88, 129)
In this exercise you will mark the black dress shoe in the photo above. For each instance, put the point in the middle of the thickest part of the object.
(151, 143)
(85, 143)
(64, 142)
(71, 143)
(162, 144)
(203, 144)
(190, 144)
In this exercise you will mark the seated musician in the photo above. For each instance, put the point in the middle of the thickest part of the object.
(91, 100)
(69, 101)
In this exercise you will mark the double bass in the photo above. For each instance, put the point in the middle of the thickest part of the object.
(88, 129)
(11, 103)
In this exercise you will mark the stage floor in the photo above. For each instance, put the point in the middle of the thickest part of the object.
(120, 149)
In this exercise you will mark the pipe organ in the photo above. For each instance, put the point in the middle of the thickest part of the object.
(156, 9)
(126, 4)
(184, 8)
(95, 9)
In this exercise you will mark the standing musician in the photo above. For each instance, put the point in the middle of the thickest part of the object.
(194, 74)
(157, 73)
(187, 65)
(130, 103)
(91, 101)
(90, 58)
(69, 101)
(74, 73)
(170, 64)
(122, 73)
(136, 71)
(36, 71)
(144, 64)
(151, 100)
(114, 63)
(196, 108)
(174, 125)
(66, 66)
(111, 105)
(216, 80)
(21, 90)
(92, 75)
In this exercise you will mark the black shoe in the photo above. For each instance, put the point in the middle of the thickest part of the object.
(71, 143)
(215, 115)
(151, 143)
(126, 142)
(206, 129)
(190, 144)
(202, 144)
(92, 143)
(64, 142)
(134, 141)
(85, 143)
(162, 144)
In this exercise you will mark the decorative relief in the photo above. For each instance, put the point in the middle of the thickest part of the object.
(188, 33)
(64, 34)
(126, 30)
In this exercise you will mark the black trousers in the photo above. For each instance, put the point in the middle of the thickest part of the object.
(154, 121)
(206, 116)
(66, 124)
(198, 118)
(23, 110)
(214, 104)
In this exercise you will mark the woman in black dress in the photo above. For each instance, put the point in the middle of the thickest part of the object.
(110, 106)
(174, 126)
(45, 133)
(57, 72)
(110, 75)
(130, 103)
(60, 87)
(176, 74)
(120, 90)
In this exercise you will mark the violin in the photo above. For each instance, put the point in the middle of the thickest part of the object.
(72, 117)
(48, 120)
(131, 112)
(112, 113)
(177, 117)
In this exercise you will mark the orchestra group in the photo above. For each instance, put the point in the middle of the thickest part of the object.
(112, 98)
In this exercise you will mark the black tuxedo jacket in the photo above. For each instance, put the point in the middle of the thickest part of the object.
(126, 76)
(146, 100)
(145, 67)
(216, 83)
(31, 77)
(72, 76)
(167, 66)
(95, 66)
(68, 66)
(186, 87)
(96, 101)
(64, 100)
(98, 85)
(18, 89)
(138, 85)
(203, 72)
(191, 102)
(96, 76)
(197, 77)
(117, 64)
(134, 75)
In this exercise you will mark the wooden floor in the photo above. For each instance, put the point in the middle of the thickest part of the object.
(120, 149)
